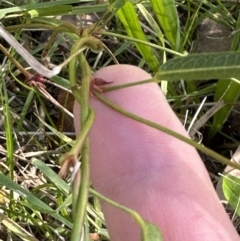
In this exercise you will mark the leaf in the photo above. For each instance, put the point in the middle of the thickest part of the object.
(25, 108)
(117, 4)
(58, 133)
(7, 125)
(61, 81)
(231, 191)
(135, 1)
(167, 17)
(52, 176)
(223, 65)
(23, 8)
(15, 228)
(129, 19)
(151, 21)
(37, 203)
(151, 232)
(50, 11)
(226, 90)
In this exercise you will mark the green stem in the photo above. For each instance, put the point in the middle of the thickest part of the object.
(37, 26)
(138, 219)
(84, 133)
(142, 42)
(199, 147)
(15, 62)
(80, 196)
(116, 87)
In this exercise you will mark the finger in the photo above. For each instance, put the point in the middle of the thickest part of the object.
(153, 173)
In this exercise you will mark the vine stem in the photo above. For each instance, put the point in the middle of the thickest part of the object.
(187, 140)
(80, 194)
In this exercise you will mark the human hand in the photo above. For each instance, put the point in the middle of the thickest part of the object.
(159, 176)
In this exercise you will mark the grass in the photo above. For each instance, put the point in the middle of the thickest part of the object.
(36, 132)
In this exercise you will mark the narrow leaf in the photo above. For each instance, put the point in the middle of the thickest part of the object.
(23, 8)
(50, 11)
(15, 228)
(168, 19)
(231, 191)
(4, 181)
(129, 19)
(226, 90)
(7, 126)
(230, 91)
(201, 66)
(151, 232)
(52, 176)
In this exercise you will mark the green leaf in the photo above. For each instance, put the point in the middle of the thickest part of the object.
(201, 66)
(15, 228)
(21, 9)
(151, 232)
(226, 90)
(58, 133)
(129, 19)
(167, 17)
(34, 201)
(52, 176)
(50, 11)
(7, 124)
(25, 108)
(65, 204)
(231, 191)
(151, 21)
(135, 1)
(61, 81)
(116, 4)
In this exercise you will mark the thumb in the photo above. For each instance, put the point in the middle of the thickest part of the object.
(159, 176)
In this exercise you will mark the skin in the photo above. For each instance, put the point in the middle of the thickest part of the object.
(153, 173)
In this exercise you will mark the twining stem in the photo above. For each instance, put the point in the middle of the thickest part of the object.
(15, 62)
(116, 87)
(136, 216)
(133, 213)
(80, 195)
(58, 28)
(84, 132)
(199, 147)
(72, 158)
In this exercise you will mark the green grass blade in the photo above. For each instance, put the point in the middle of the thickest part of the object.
(129, 19)
(52, 176)
(226, 90)
(58, 133)
(90, 8)
(16, 229)
(45, 5)
(231, 189)
(37, 203)
(167, 17)
(61, 81)
(8, 127)
(67, 202)
(25, 109)
(151, 21)
(53, 11)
